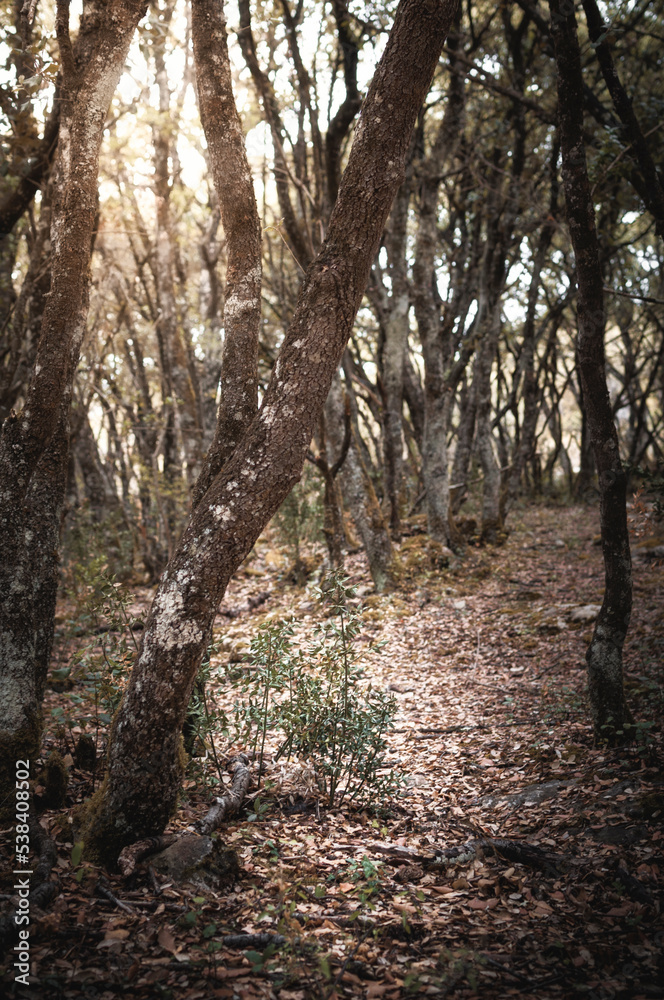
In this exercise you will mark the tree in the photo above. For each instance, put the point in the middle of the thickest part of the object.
(610, 714)
(34, 444)
(145, 768)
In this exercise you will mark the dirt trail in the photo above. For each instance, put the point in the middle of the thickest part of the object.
(486, 661)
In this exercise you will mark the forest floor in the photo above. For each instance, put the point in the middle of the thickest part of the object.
(492, 739)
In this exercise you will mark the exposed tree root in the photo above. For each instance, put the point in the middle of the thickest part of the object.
(230, 803)
(514, 851)
(223, 808)
(132, 856)
(259, 941)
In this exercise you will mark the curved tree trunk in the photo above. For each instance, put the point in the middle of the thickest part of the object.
(145, 768)
(34, 444)
(610, 715)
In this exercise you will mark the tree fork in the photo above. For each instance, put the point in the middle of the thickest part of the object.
(145, 759)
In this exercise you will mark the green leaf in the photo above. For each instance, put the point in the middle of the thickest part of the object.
(76, 854)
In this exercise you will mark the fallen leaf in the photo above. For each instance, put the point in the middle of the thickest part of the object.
(166, 940)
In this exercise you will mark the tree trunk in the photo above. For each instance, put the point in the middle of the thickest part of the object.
(174, 359)
(393, 315)
(33, 445)
(239, 216)
(99, 491)
(19, 332)
(145, 763)
(440, 377)
(358, 492)
(525, 377)
(610, 715)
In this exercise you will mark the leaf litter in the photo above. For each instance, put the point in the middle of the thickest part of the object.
(492, 739)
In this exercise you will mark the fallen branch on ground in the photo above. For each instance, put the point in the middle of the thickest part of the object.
(230, 803)
(261, 941)
(132, 856)
(223, 808)
(514, 851)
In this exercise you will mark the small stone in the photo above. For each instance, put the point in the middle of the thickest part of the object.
(198, 861)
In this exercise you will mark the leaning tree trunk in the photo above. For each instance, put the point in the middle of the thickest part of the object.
(610, 715)
(33, 444)
(145, 759)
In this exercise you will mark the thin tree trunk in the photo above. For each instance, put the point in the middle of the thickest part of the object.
(610, 715)
(435, 336)
(19, 332)
(145, 761)
(525, 377)
(358, 492)
(395, 341)
(174, 359)
(239, 216)
(100, 493)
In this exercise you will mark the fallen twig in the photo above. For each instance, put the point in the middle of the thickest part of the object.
(447, 857)
(103, 889)
(261, 941)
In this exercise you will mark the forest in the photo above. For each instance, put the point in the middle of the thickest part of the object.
(331, 499)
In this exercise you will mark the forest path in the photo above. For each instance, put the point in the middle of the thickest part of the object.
(492, 735)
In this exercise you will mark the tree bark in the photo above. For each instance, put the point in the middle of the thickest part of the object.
(145, 767)
(358, 492)
(440, 375)
(610, 715)
(33, 444)
(393, 312)
(174, 360)
(239, 216)
(637, 145)
(525, 377)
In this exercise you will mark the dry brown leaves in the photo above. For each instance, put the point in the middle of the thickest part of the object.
(492, 736)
